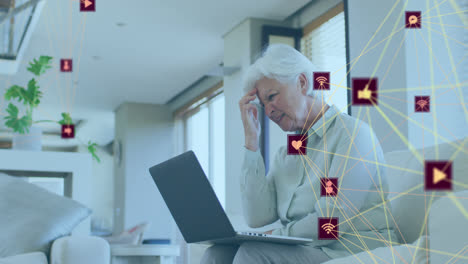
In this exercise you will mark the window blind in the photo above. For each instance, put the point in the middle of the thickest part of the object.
(324, 43)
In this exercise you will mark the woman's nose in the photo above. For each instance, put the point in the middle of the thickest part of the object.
(269, 109)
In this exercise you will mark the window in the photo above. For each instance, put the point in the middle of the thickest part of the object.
(324, 43)
(204, 135)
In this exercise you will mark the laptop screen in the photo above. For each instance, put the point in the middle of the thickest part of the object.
(191, 199)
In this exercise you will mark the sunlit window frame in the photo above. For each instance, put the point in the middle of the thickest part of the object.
(193, 107)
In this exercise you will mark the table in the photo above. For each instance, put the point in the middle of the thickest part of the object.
(144, 254)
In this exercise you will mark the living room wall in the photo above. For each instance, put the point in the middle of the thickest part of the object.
(448, 117)
(102, 193)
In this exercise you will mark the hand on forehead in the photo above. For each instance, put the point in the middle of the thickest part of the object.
(262, 94)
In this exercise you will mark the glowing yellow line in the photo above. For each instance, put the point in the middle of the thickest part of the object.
(458, 204)
(411, 246)
(311, 185)
(366, 222)
(316, 195)
(79, 60)
(459, 252)
(447, 36)
(460, 184)
(424, 222)
(393, 60)
(324, 123)
(356, 233)
(388, 41)
(307, 118)
(459, 12)
(380, 182)
(417, 62)
(450, 195)
(352, 253)
(447, 25)
(367, 51)
(378, 205)
(427, 11)
(353, 137)
(452, 63)
(446, 77)
(370, 161)
(373, 36)
(442, 86)
(367, 251)
(56, 74)
(402, 137)
(340, 86)
(423, 127)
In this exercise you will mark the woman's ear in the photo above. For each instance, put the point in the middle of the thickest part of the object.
(304, 83)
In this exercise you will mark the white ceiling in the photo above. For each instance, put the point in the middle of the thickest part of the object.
(162, 48)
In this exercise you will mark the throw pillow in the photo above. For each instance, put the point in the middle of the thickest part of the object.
(32, 217)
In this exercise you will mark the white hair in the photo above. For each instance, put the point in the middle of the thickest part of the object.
(282, 63)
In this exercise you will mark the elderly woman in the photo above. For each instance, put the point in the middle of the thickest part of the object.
(337, 146)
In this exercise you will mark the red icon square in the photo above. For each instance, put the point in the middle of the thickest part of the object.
(329, 187)
(328, 228)
(364, 91)
(413, 19)
(68, 131)
(87, 5)
(66, 65)
(321, 81)
(437, 175)
(297, 144)
(422, 104)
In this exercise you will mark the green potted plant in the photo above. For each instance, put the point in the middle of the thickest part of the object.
(31, 98)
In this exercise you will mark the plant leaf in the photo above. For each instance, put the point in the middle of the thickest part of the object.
(12, 110)
(16, 92)
(33, 94)
(38, 67)
(19, 125)
(92, 149)
(66, 119)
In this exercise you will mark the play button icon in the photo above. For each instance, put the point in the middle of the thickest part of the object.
(438, 175)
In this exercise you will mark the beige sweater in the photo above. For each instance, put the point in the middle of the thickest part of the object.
(338, 146)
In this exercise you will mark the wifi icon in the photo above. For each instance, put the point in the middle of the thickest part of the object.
(422, 103)
(328, 228)
(321, 80)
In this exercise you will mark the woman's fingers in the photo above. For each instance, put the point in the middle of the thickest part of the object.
(250, 96)
(255, 112)
(253, 91)
(247, 99)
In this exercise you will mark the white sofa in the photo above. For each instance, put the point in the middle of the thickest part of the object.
(35, 223)
(446, 228)
(68, 250)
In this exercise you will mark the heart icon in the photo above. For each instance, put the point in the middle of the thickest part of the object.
(296, 144)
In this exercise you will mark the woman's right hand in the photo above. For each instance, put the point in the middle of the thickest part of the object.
(249, 114)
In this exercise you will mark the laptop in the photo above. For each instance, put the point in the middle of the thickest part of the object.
(196, 209)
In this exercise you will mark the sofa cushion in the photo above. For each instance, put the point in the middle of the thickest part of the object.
(33, 257)
(403, 254)
(446, 244)
(405, 172)
(33, 217)
(447, 225)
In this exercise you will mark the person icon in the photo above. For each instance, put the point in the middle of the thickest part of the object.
(329, 188)
(66, 65)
